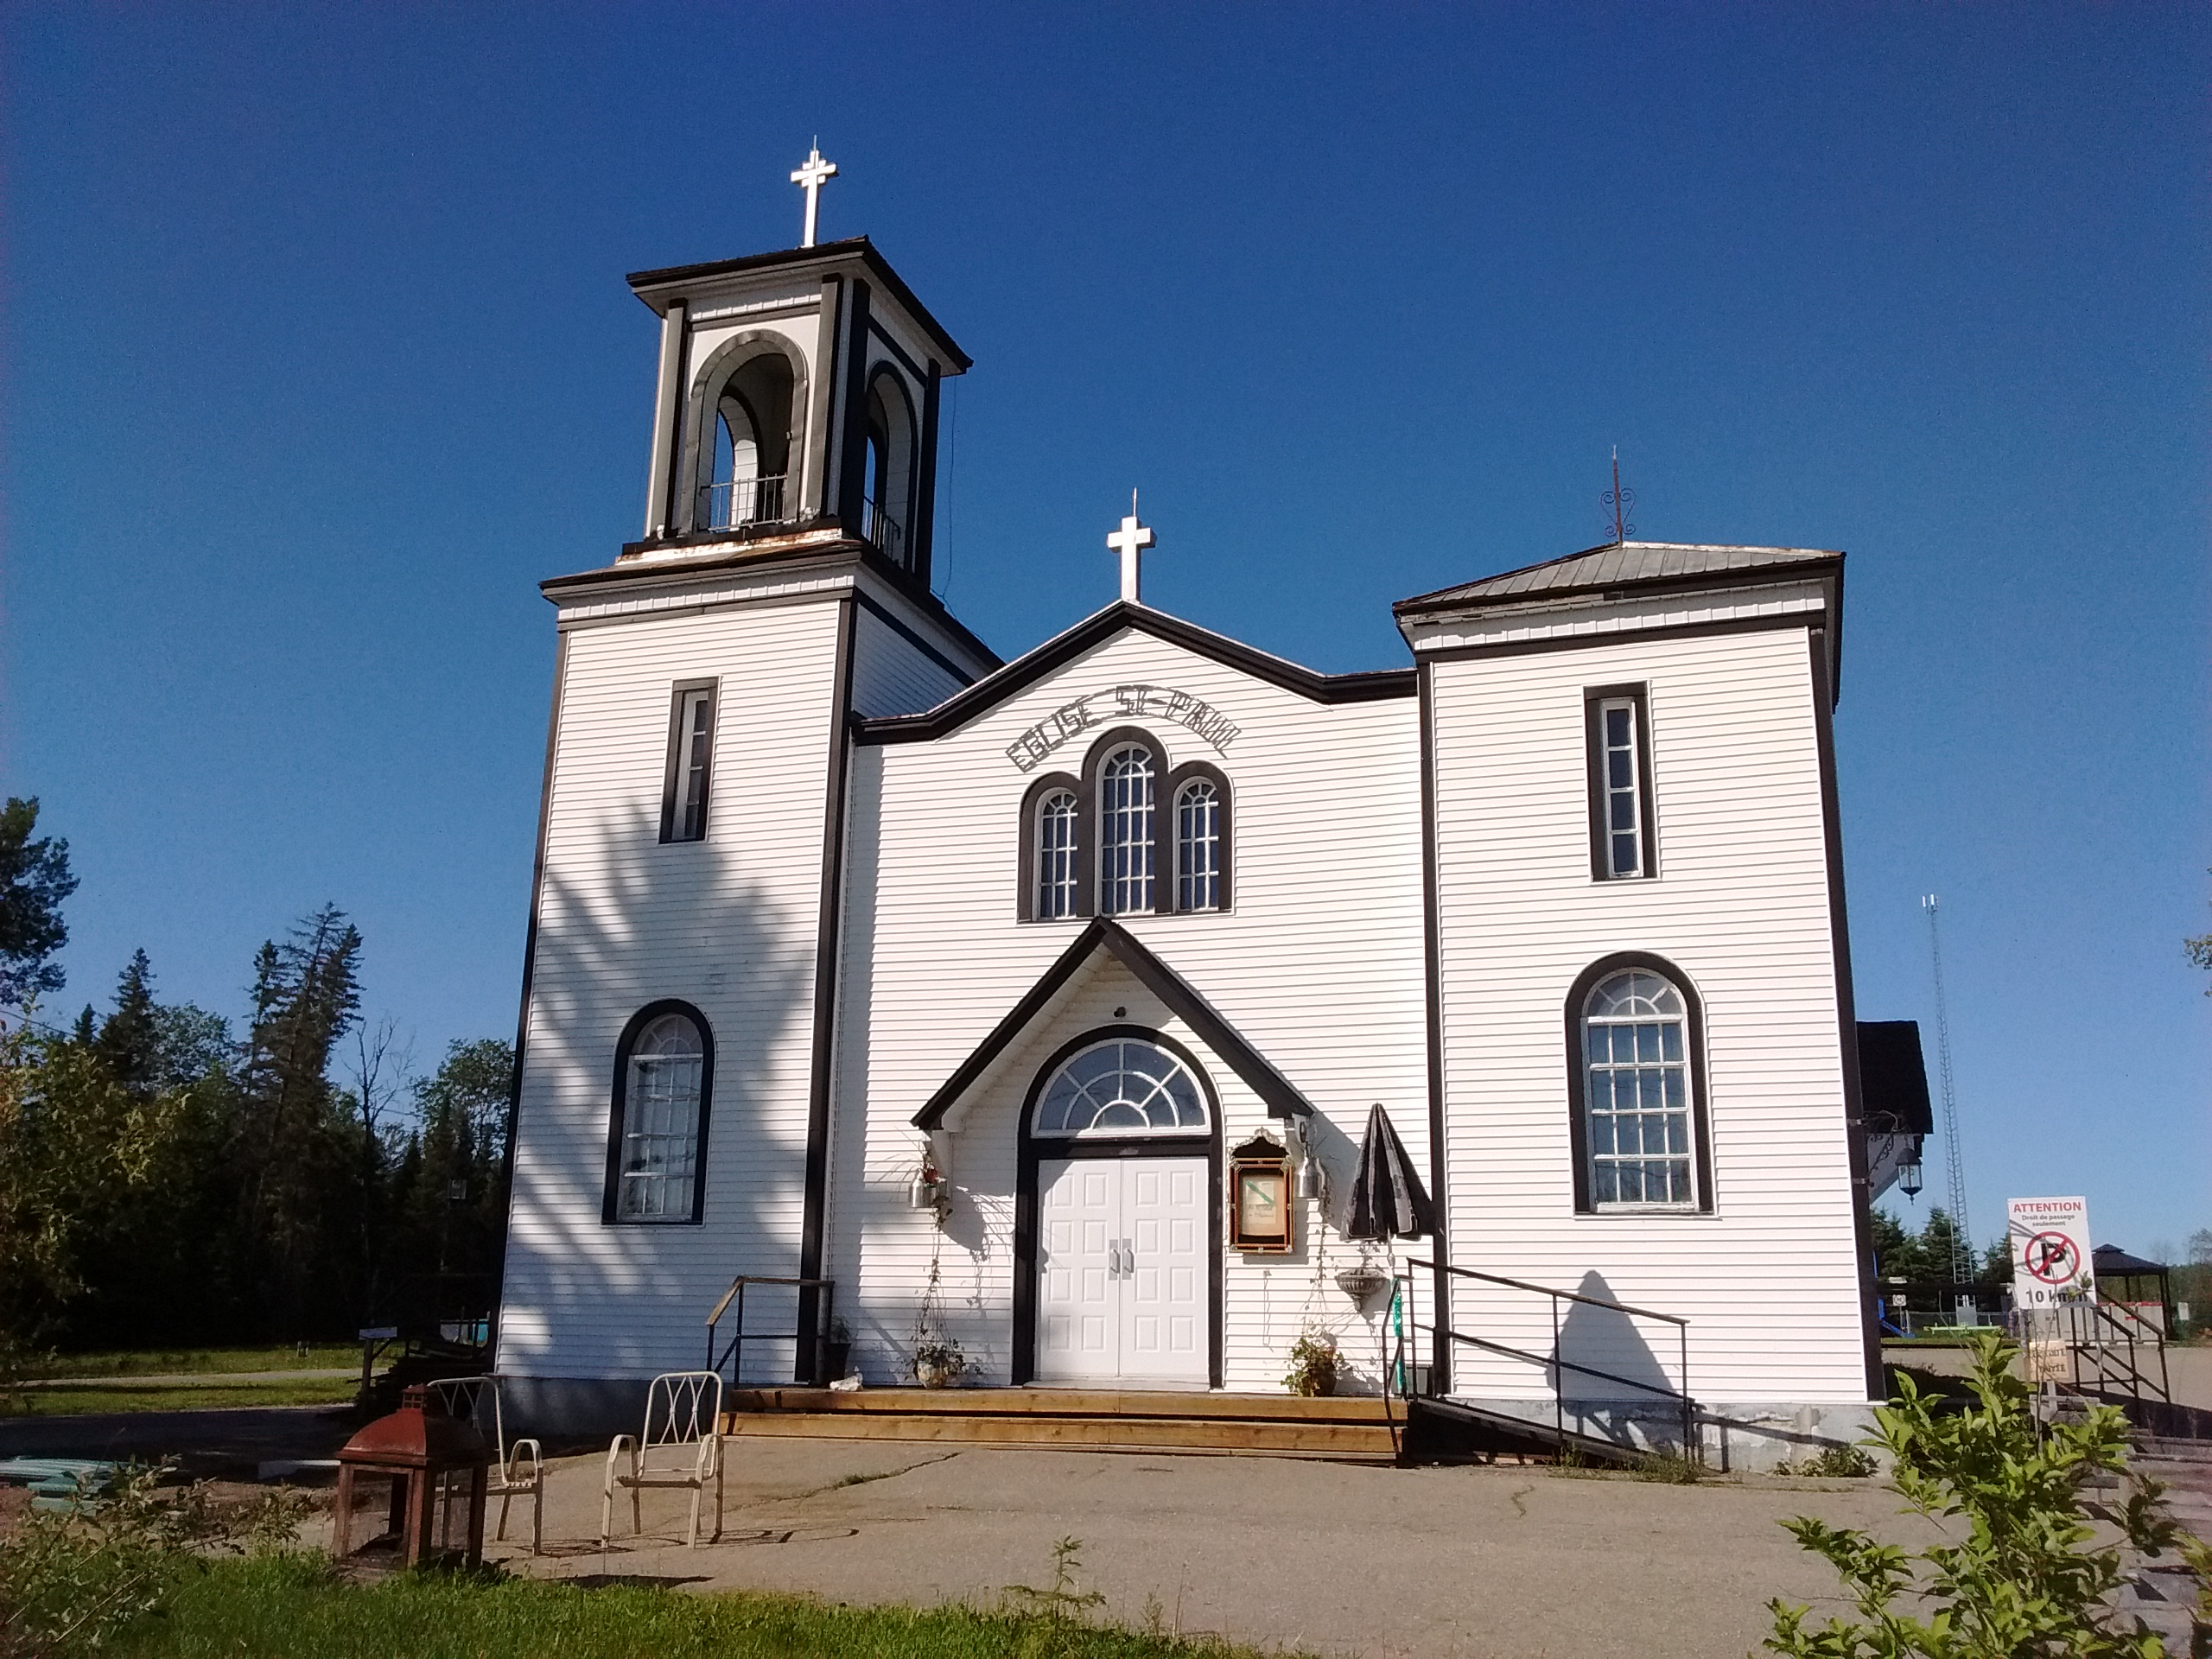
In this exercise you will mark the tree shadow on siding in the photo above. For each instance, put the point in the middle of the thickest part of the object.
(625, 921)
(1605, 1339)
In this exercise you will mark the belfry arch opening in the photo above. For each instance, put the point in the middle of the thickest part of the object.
(887, 483)
(746, 474)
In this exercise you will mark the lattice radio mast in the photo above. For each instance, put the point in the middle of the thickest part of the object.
(1960, 1237)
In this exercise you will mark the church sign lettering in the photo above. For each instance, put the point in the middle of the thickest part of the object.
(1121, 702)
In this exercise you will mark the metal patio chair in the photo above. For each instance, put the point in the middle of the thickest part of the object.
(683, 1417)
(519, 1469)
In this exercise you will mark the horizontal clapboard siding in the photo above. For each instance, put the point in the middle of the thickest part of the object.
(1741, 907)
(1318, 966)
(727, 924)
(893, 675)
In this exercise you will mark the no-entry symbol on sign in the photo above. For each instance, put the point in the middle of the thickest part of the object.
(2049, 1241)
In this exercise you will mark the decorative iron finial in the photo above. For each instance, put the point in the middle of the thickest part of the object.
(1616, 501)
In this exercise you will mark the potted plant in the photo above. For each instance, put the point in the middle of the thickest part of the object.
(1313, 1371)
(938, 1363)
(1362, 1281)
(926, 1190)
(836, 1351)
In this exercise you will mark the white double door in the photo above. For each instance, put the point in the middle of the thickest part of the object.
(1123, 1289)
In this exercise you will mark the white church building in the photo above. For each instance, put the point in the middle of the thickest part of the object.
(1039, 1007)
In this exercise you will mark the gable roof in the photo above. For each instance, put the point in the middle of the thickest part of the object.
(1095, 630)
(1103, 934)
(1628, 564)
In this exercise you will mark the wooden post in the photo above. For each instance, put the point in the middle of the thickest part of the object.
(341, 1537)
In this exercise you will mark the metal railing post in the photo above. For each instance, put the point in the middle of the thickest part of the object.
(1558, 1376)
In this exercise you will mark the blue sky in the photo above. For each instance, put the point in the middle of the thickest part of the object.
(317, 357)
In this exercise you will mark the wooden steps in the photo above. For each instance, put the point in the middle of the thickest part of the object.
(1092, 1420)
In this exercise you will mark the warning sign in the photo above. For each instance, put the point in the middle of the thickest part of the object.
(2049, 1241)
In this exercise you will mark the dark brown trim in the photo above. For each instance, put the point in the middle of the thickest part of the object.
(1031, 1153)
(618, 1103)
(856, 249)
(881, 336)
(1103, 933)
(827, 916)
(1168, 843)
(852, 441)
(1846, 1019)
(1056, 653)
(1432, 952)
(923, 532)
(1455, 601)
(1637, 692)
(1025, 907)
(1626, 636)
(529, 952)
(1700, 1116)
(672, 777)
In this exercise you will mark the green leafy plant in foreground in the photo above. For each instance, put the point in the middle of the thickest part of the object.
(2027, 1580)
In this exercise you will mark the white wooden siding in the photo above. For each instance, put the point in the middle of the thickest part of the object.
(727, 924)
(893, 675)
(1318, 966)
(1741, 908)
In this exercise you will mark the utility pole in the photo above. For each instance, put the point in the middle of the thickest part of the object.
(1962, 1239)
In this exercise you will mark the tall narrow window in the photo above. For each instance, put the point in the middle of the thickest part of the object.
(690, 765)
(1621, 846)
(659, 1120)
(1197, 846)
(1056, 856)
(1125, 832)
(1636, 1103)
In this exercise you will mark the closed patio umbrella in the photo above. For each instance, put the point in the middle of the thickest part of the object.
(1388, 1199)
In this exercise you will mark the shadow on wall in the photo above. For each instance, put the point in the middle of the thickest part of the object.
(1605, 1339)
(629, 923)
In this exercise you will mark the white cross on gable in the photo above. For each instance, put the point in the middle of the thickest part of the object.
(1130, 542)
(811, 178)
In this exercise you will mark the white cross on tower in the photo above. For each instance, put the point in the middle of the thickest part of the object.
(811, 179)
(1130, 542)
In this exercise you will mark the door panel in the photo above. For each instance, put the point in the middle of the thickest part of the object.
(1165, 1296)
(1079, 1312)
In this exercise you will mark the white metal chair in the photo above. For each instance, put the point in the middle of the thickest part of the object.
(520, 1470)
(683, 1415)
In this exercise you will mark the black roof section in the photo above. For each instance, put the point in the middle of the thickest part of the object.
(1103, 933)
(1095, 630)
(1617, 565)
(2111, 1261)
(649, 285)
(1893, 1079)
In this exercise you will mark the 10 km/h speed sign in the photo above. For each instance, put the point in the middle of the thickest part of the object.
(2049, 1242)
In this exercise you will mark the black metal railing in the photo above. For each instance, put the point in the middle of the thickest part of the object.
(2110, 1352)
(883, 529)
(742, 501)
(733, 1351)
(1555, 1364)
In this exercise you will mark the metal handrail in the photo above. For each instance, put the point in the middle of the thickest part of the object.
(2136, 1379)
(735, 1351)
(880, 528)
(1556, 1362)
(737, 502)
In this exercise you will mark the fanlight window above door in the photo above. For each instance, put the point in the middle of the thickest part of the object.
(1124, 1085)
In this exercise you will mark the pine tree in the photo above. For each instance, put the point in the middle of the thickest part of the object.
(129, 1039)
(33, 880)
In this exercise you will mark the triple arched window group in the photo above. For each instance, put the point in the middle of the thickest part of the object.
(1126, 837)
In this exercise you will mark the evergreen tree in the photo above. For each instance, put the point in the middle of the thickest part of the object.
(33, 880)
(128, 1040)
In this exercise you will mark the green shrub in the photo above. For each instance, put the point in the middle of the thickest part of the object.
(2020, 1578)
(1831, 1463)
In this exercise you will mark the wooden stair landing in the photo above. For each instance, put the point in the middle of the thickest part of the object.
(1090, 1420)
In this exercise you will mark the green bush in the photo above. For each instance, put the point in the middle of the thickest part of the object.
(2020, 1577)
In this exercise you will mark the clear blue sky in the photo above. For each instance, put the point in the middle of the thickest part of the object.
(318, 356)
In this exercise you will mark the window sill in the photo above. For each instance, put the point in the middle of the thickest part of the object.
(1599, 1211)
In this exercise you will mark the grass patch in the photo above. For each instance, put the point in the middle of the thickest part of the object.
(170, 1361)
(288, 1605)
(165, 1396)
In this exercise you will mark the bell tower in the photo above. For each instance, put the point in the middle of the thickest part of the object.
(797, 401)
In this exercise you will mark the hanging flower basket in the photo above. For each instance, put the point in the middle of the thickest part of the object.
(1362, 1283)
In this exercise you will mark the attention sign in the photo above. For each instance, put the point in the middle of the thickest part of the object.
(2049, 1241)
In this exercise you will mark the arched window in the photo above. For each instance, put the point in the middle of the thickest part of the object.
(1199, 797)
(888, 482)
(745, 474)
(1057, 817)
(1125, 831)
(1122, 1086)
(656, 1152)
(1639, 1111)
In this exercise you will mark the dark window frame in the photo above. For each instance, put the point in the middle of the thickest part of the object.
(673, 771)
(1594, 698)
(1032, 800)
(1174, 839)
(611, 1202)
(1577, 997)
